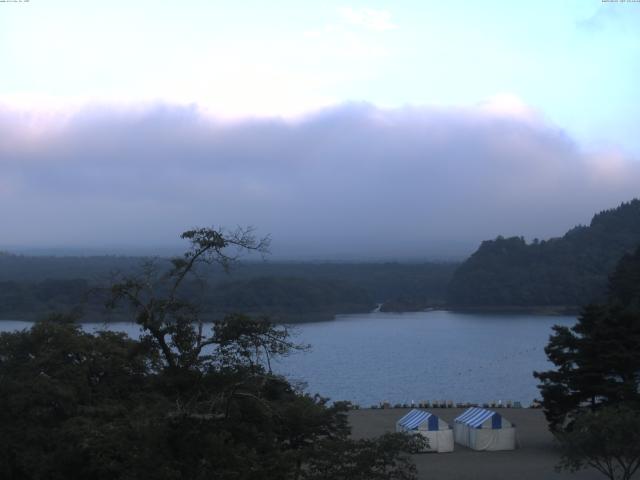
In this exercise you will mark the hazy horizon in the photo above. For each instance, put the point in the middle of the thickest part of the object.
(453, 251)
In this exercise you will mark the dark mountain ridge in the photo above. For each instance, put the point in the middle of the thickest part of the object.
(568, 271)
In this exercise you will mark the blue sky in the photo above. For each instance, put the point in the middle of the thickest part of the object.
(526, 110)
(576, 62)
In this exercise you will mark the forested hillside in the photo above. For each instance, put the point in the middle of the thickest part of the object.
(567, 271)
(288, 291)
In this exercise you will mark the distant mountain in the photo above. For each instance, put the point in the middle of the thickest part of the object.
(567, 271)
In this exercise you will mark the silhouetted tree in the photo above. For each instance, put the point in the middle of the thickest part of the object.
(169, 320)
(598, 359)
(180, 403)
(607, 440)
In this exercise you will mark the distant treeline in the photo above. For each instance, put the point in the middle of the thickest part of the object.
(286, 291)
(567, 271)
(503, 273)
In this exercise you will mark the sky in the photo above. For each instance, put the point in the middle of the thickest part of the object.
(405, 129)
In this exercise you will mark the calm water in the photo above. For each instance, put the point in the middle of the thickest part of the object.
(439, 355)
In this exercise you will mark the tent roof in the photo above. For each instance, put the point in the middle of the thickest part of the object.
(475, 417)
(415, 418)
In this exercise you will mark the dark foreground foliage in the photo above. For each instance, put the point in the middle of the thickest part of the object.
(607, 440)
(75, 405)
(598, 359)
(180, 403)
(592, 398)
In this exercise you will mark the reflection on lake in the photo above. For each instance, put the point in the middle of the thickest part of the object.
(420, 356)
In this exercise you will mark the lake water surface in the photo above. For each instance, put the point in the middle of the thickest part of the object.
(437, 355)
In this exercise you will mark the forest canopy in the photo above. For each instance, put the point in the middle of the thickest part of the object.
(568, 271)
(287, 291)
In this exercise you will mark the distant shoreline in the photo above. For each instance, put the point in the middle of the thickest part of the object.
(558, 310)
(550, 310)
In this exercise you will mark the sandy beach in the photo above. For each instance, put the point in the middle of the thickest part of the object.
(534, 460)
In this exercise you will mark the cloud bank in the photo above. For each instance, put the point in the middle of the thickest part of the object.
(353, 181)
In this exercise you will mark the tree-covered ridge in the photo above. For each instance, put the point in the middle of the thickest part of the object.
(571, 270)
(287, 291)
(289, 298)
(284, 299)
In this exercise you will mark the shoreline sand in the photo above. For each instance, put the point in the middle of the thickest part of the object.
(534, 460)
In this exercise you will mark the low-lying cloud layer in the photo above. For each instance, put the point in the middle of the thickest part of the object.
(351, 181)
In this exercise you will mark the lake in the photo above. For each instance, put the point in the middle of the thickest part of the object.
(436, 355)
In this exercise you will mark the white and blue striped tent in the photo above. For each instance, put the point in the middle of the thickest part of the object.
(437, 432)
(482, 429)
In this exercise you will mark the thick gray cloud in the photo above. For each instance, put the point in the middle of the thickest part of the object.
(351, 181)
